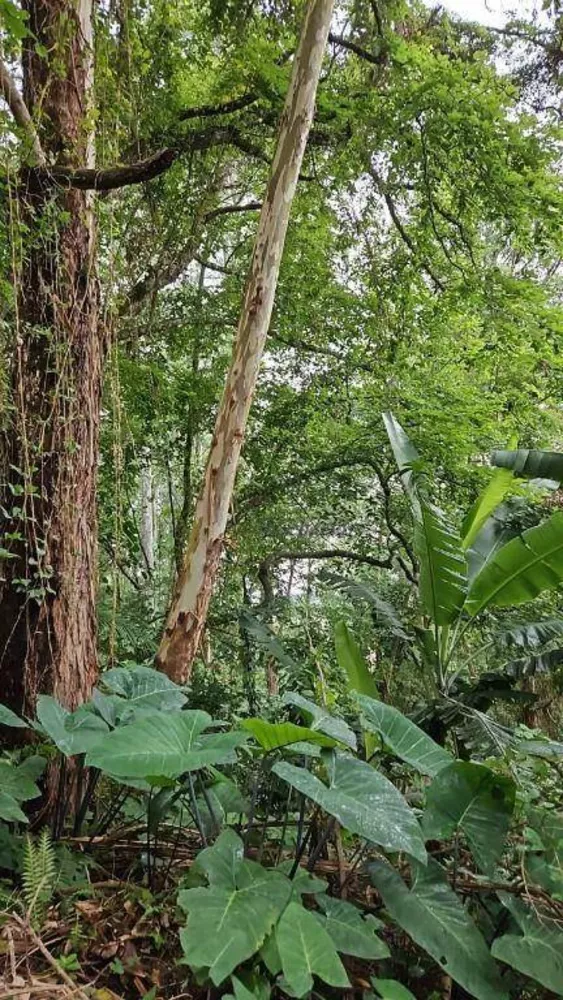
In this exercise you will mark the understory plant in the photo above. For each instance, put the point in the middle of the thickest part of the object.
(272, 800)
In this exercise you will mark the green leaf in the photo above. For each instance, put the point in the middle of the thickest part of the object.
(306, 950)
(443, 567)
(226, 926)
(222, 861)
(472, 798)
(537, 951)
(71, 732)
(10, 810)
(530, 635)
(527, 566)
(145, 688)
(269, 953)
(242, 992)
(352, 662)
(266, 637)
(390, 989)
(273, 735)
(530, 666)
(9, 718)
(406, 456)
(17, 781)
(403, 737)
(320, 719)
(494, 534)
(164, 745)
(351, 932)
(485, 505)
(433, 916)
(363, 801)
(532, 464)
(384, 610)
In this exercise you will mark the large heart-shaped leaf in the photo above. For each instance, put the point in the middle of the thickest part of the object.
(403, 737)
(273, 735)
(144, 687)
(351, 931)
(530, 564)
(318, 718)
(17, 785)
(225, 925)
(71, 732)
(9, 718)
(165, 745)
(222, 860)
(306, 950)
(537, 951)
(471, 797)
(10, 810)
(390, 989)
(433, 916)
(363, 801)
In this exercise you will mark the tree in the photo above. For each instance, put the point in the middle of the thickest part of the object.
(50, 447)
(193, 591)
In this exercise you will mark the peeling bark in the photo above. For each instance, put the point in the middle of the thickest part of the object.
(203, 554)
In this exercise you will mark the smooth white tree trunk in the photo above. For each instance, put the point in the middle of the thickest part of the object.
(203, 552)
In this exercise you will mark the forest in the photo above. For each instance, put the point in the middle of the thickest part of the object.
(281, 499)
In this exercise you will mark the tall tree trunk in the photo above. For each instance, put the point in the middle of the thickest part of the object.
(50, 449)
(195, 584)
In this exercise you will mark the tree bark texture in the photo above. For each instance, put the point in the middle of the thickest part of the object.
(50, 447)
(203, 553)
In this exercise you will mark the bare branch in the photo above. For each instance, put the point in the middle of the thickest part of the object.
(249, 206)
(214, 110)
(21, 115)
(344, 43)
(382, 188)
(333, 554)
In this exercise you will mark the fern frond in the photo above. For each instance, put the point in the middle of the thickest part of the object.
(39, 876)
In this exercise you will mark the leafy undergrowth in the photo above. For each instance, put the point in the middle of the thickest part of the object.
(104, 934)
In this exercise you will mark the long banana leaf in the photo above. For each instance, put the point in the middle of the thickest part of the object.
(531, 464)
(485, 505)
(527, 566)
(443, 567)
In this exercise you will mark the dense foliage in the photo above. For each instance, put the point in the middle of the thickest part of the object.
(359, 788)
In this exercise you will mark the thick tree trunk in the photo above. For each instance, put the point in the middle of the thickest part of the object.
(195, 584)
(50, 449)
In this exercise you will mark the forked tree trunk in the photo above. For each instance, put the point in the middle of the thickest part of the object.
(50, 449)
(195, 583)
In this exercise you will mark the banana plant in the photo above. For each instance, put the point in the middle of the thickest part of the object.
(479, 565)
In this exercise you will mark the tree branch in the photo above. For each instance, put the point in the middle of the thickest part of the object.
(249, 206)
(344, 43)
(332, 554)
(108, 179)
(382, 188)
(214, 110)
(21, 115)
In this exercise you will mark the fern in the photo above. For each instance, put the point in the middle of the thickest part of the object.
(39, 877)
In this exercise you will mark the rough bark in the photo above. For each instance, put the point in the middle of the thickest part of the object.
(50, 449)
(195, 584)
